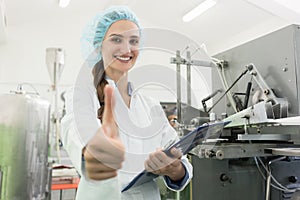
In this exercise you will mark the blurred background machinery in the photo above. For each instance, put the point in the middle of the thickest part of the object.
(257, 156)
(24, 131)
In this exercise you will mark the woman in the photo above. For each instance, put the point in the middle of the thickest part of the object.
(125, 139)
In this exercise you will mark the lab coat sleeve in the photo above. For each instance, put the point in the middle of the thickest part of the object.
(170, 133)
(80, 123)
(74, 143)
(70, 136)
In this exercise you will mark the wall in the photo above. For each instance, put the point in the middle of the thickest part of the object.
(22, 57)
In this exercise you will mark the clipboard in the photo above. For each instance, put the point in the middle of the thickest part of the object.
(185, 144)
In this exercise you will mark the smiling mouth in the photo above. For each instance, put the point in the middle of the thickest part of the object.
(123, 58)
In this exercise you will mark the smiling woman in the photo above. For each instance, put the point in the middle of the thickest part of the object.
(120, 48)
(127, 139)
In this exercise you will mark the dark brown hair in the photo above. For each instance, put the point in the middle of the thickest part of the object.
(99, 83)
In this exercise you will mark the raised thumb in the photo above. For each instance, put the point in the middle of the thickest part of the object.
(108, 120)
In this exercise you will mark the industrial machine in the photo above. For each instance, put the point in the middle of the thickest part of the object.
(24, 132)
(55, 61)
(257, 156)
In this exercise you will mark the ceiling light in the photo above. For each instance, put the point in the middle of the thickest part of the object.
(201, 8)
(63, 3)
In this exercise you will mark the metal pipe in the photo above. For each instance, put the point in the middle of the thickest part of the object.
(268, 187)
(188, 75)
(55, 60)
(178, 61)
(268, 184)
(246, 100)
(228, 89)
(56, 113)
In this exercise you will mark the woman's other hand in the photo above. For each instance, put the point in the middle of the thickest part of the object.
(161, 164)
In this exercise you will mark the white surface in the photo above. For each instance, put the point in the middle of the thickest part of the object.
(64, 172)
(289, 121)
(286, 151)
(198, 10)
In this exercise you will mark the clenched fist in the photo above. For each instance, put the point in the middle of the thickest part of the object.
(105, 152)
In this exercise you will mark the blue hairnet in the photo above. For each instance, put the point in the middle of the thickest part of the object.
(94, 32)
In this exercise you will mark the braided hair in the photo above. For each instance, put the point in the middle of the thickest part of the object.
(99, 83)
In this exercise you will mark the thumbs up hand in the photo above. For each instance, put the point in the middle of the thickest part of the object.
(105, 152)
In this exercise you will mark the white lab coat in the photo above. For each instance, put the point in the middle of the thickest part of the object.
(80, 124)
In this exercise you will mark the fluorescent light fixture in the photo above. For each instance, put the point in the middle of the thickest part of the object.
(63, 3)
(293, 5)
(201, 8)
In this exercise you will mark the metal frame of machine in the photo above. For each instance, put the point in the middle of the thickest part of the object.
(258, 155)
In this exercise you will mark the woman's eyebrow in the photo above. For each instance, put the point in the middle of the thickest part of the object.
(134, 36)
(114, 34)
(120, 35)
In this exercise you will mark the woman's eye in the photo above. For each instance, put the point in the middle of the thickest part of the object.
(134, 41)
(116, 40)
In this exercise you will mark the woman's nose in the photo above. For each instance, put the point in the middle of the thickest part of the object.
(126, 48)
(128, 45)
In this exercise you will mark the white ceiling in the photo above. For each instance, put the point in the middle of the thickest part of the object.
(228, 23)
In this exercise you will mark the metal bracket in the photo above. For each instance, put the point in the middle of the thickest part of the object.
(279, 106)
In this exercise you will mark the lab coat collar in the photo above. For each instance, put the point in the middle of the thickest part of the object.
(112, 83)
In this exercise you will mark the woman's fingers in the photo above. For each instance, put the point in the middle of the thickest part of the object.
(97, 167)
(176, 153)
(113, 161)
(103, 156)
(101, 143)
(159, 163)
(102, 175)
(98, 171)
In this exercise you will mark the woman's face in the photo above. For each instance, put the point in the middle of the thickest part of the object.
(120, 47)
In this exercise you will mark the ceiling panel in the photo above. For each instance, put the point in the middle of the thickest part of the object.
(229, 18)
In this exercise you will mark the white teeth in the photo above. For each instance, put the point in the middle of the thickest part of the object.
(123, 58)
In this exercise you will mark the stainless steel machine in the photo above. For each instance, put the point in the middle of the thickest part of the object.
(257, 156)
(24, 131)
